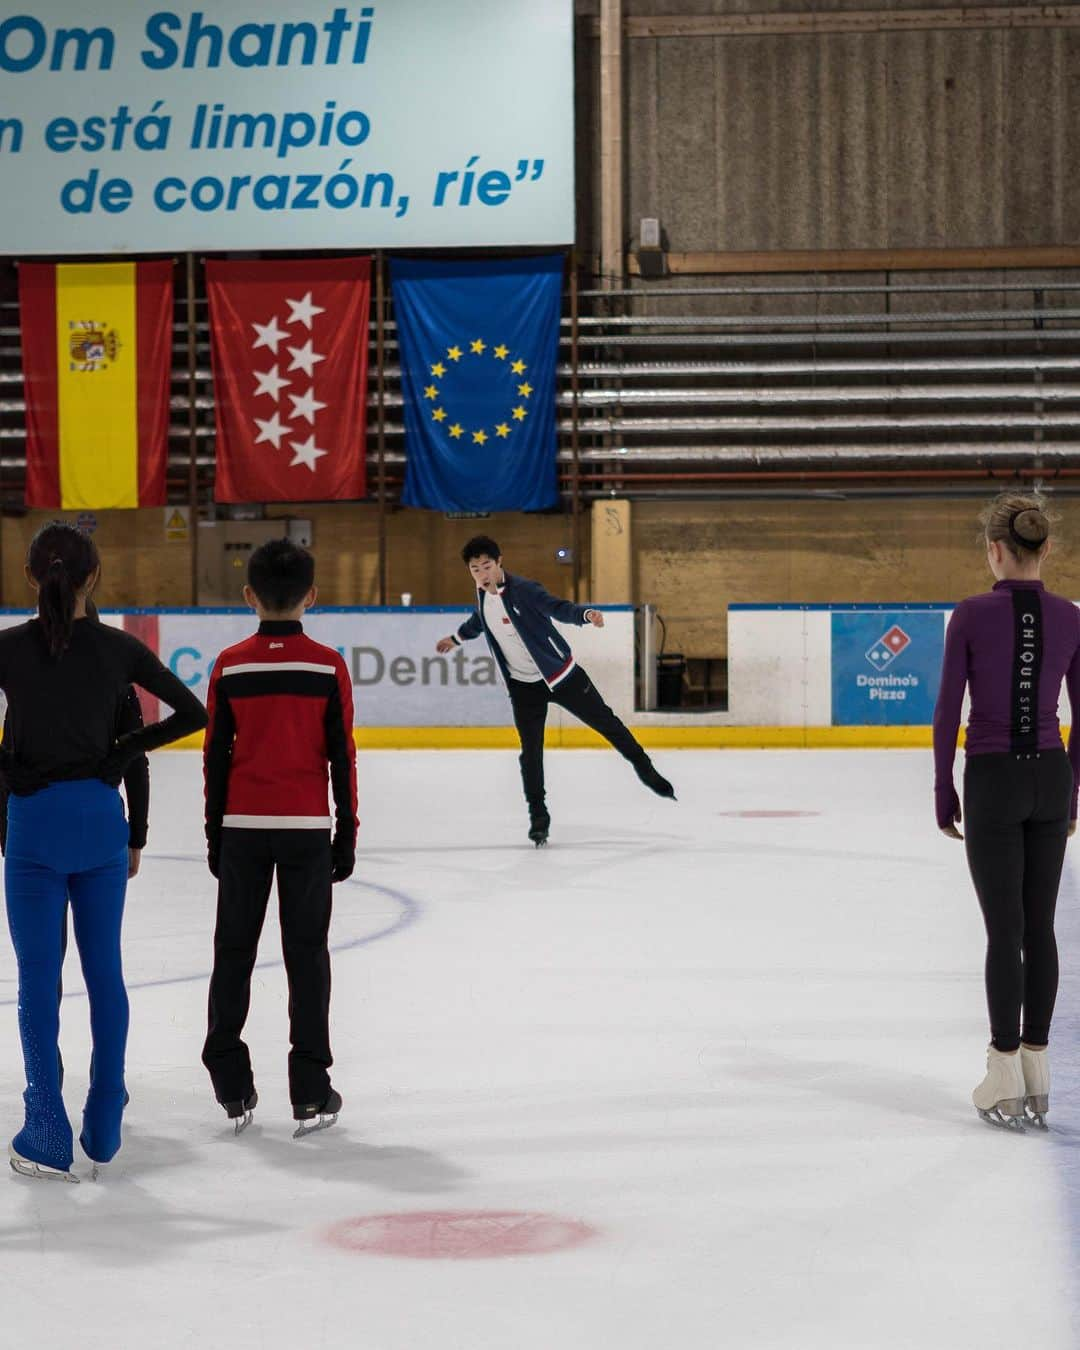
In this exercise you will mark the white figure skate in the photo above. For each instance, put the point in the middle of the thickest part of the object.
(1036, 1069)
(25, 1167)
(999, 1098)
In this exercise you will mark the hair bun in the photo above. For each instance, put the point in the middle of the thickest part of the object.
(1030, 527)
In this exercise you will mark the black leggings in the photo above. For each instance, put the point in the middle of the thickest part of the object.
(578, 695)
(1016, 822)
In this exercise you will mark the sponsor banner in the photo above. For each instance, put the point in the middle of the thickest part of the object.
(286, 124)
(398, 678)
(886, 666)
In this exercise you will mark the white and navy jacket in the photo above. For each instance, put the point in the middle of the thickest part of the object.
(531, 610)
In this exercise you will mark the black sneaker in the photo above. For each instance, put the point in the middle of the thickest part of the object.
(539, 824)
(646, 771)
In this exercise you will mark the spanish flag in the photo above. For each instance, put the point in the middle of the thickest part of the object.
(97, 350)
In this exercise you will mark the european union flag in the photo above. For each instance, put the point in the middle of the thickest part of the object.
(479, 342)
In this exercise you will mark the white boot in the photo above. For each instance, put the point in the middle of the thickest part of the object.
(999, 1098)
(1036, 1069)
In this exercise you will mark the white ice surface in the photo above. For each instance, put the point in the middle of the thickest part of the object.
(741, 1050)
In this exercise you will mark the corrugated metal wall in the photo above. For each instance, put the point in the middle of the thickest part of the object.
(931, 139)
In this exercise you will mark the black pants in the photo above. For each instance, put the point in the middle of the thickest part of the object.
(578, 695)
(248, 862)
(1016, 822)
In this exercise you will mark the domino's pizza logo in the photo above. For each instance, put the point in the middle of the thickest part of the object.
(888, 647)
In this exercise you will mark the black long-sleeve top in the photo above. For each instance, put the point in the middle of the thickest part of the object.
(63, 713)
(136, 778)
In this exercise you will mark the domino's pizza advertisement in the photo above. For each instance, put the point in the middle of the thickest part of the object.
(886, 666)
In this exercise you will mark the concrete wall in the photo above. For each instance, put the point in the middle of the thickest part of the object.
(852, 140)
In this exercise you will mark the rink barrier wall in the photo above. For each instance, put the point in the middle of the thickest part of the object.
(809, 676)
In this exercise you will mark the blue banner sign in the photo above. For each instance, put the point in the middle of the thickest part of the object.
(886, 666)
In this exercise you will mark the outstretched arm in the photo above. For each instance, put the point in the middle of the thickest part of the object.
(471, 628)
(566, 611)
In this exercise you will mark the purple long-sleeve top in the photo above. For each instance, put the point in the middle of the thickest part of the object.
(1012, 647)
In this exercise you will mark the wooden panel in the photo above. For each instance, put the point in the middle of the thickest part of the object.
(139, 566)
(612, 553)
(423, 551)
(693, 560)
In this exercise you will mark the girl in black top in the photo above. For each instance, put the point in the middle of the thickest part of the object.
(66, 679)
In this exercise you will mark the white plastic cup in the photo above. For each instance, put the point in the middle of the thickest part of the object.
(406, 598)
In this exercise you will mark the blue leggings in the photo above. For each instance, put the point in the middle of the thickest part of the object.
(68, 841)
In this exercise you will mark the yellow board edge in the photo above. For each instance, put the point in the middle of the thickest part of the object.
(652, 737)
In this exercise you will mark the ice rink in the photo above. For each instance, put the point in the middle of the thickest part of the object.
(696, 1075)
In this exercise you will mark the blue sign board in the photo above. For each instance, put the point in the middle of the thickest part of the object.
(886, 666)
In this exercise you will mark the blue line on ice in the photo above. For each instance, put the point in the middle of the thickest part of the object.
(410, 912)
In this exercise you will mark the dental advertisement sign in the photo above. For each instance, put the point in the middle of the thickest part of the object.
(282, 124)
(399, 680)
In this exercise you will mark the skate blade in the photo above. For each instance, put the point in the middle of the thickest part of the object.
(323, 1123)
(1035, 1114)
(1002, 1122)
(23, 1167)
(242, 1124)
(540, 843)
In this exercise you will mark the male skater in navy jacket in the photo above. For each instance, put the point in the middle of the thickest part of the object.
(515, 616)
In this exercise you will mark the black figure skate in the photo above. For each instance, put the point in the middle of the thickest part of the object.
(317, 1115)
(243, 1113)
(656, 782)
(539, 824)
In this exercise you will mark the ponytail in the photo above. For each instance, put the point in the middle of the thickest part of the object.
(61, 560)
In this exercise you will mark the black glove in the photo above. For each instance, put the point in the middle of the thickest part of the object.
(342, 858)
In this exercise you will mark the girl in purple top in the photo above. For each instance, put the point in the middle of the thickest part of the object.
(1012, 647)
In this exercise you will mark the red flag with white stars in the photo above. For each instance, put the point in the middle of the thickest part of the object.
(289, 341)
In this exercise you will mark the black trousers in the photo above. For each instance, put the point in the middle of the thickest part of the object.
(249, 859)
(1016, 823)
(578, 695)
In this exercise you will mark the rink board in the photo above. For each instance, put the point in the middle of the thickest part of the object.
(810, 676)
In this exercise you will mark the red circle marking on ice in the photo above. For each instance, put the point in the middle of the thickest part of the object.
(767, 815)
(459, 1234)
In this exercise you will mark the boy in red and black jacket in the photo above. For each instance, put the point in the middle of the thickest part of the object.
(280, 709)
